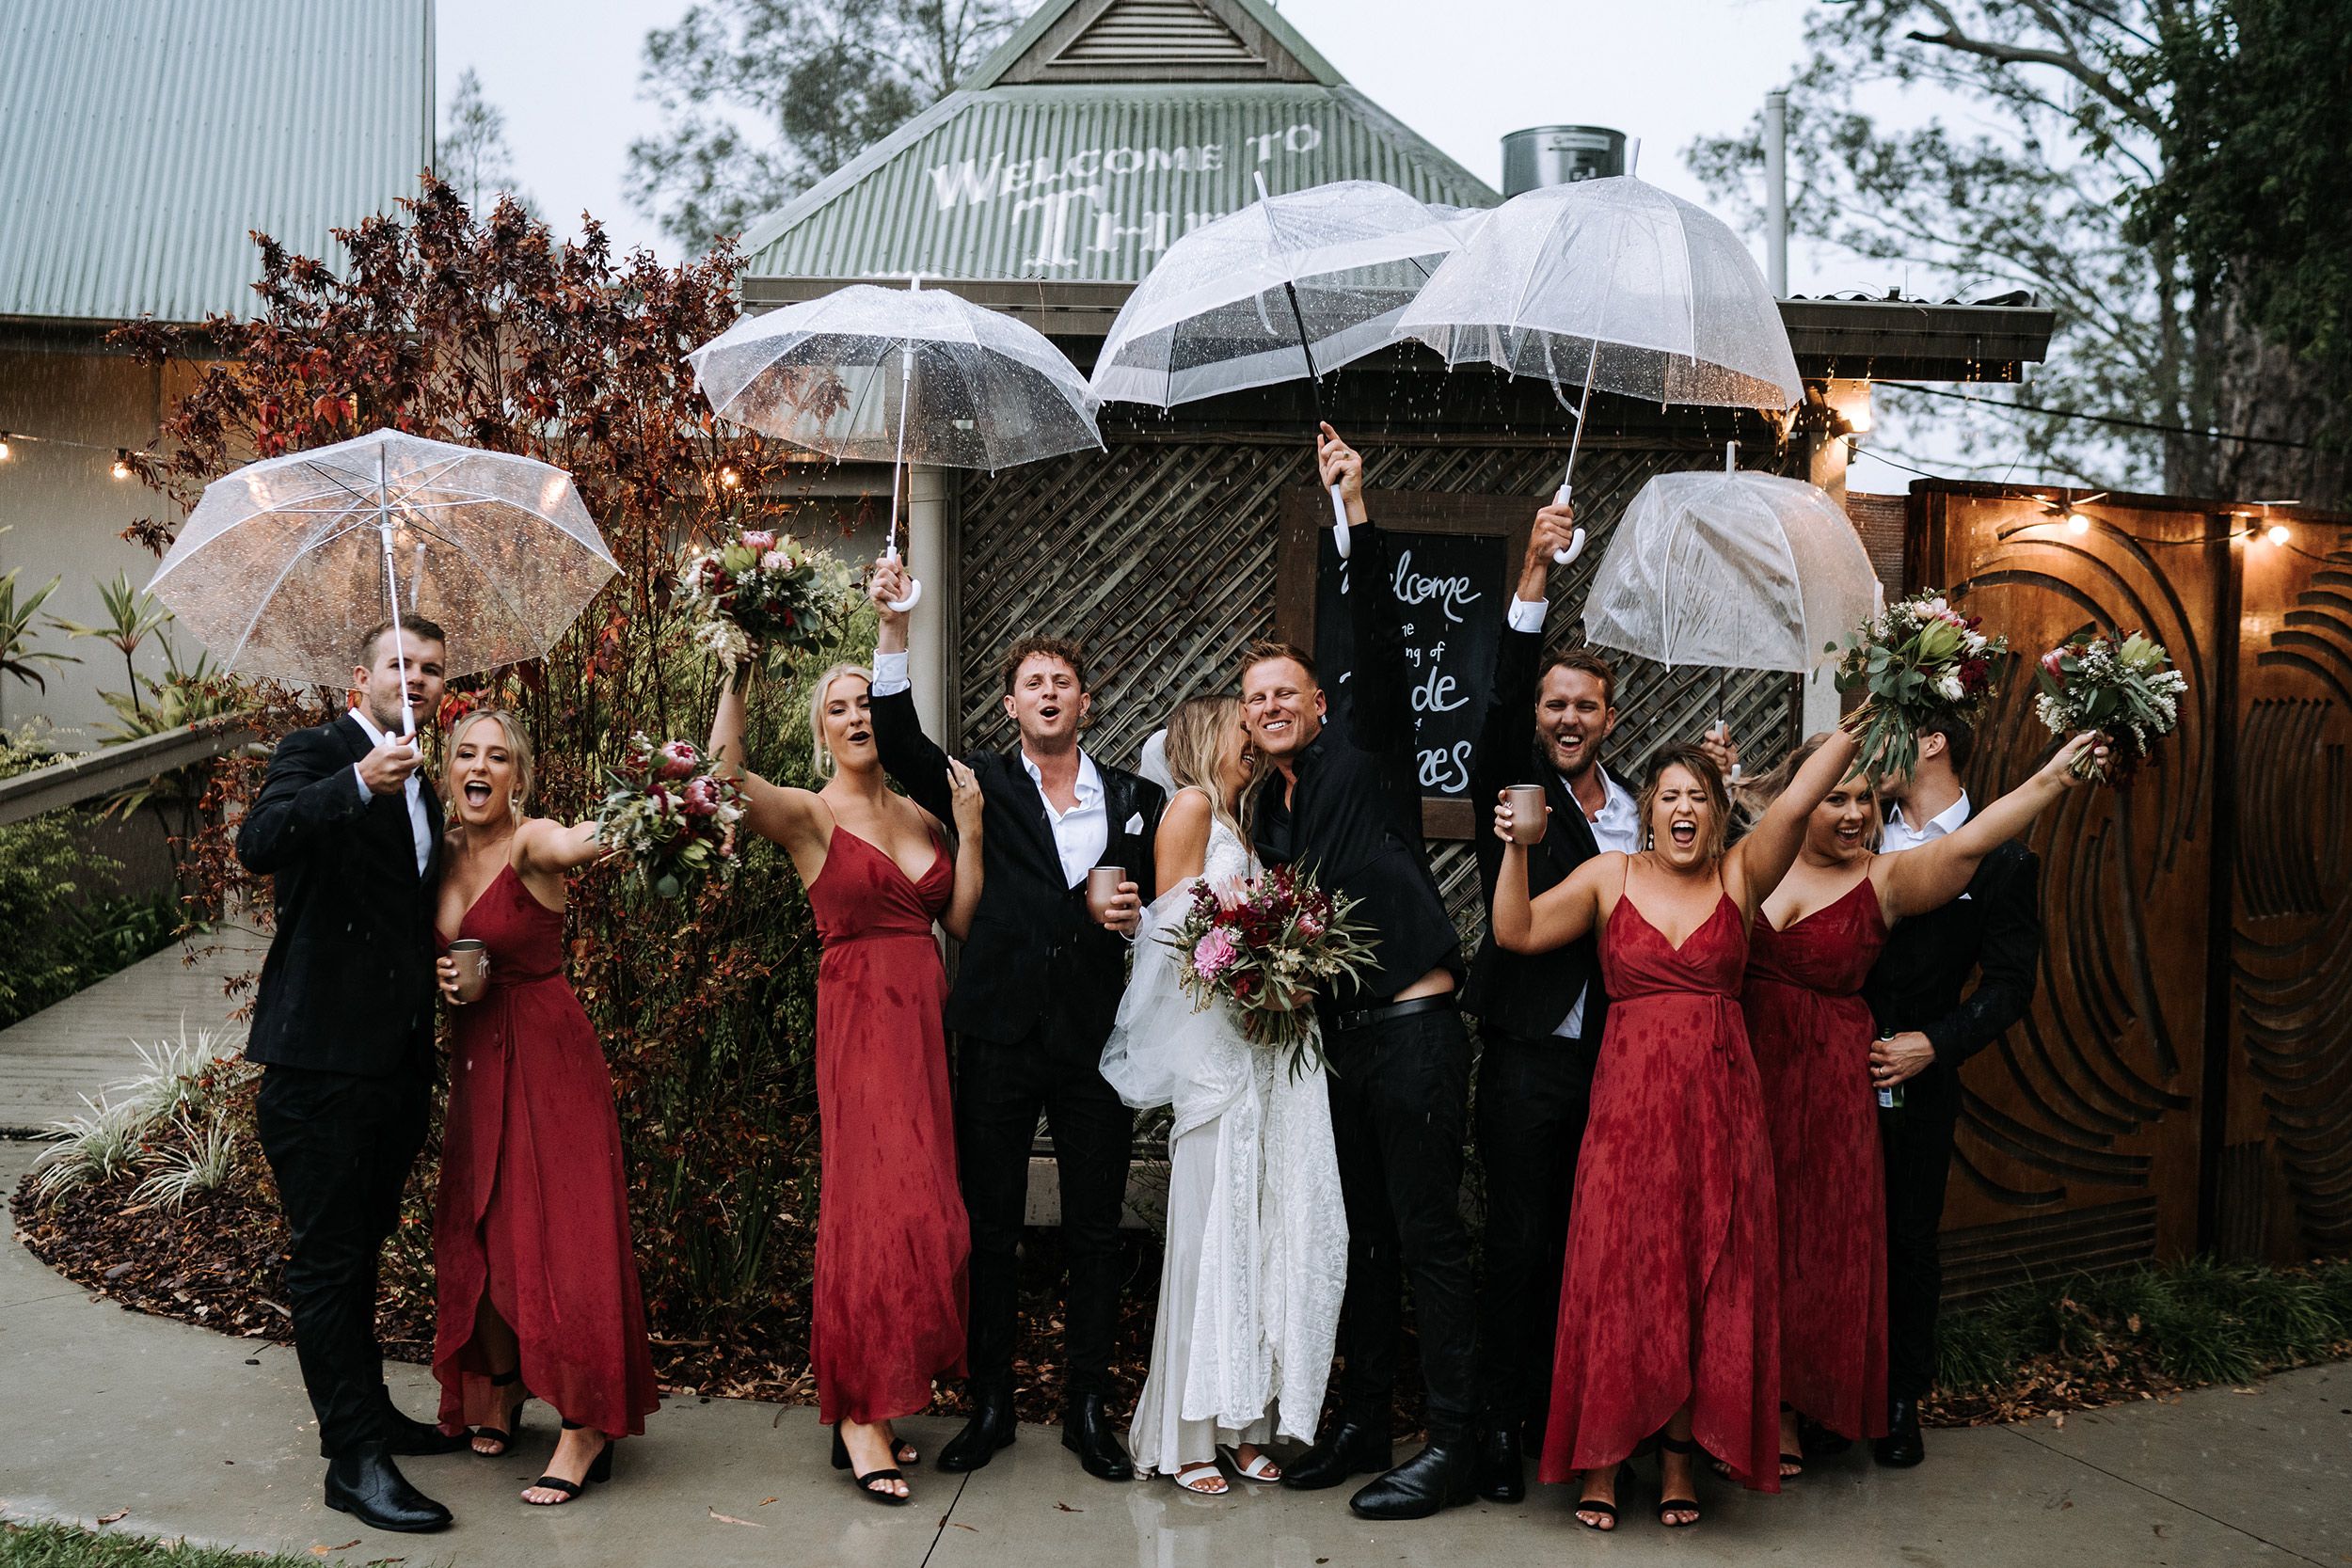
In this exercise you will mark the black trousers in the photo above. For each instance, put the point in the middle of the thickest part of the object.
(340, 1148)
(1000, 1089)
(1400, 1099)
(1534, 1097)
(1918, 1143)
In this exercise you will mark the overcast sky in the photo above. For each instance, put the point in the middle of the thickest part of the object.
(1462, 72)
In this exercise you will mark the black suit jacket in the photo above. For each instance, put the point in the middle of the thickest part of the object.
(1032, 942)
(1526, 994)
(1995, 932)
(1354, 816)
(347, 985)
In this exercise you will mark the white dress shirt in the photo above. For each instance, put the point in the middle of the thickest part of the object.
(1080, 834)
(417, 821)
(1617, 827)
(1900, 835)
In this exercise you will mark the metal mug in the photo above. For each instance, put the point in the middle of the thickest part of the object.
(1101, 888)
(472, 957)
(1527, 814)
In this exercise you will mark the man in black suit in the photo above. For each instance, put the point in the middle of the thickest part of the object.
(1037, 991)
(1992, 930)
(1539, 1018)
(343, 1025)
(1345, 804)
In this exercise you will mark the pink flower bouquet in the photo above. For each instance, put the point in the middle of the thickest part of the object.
(1919, 660)
(1264, 950)
(761, 592)
(668, 817)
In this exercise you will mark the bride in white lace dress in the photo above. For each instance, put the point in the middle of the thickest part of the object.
(1257, 1239)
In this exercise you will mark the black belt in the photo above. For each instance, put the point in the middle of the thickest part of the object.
(1365, 1017)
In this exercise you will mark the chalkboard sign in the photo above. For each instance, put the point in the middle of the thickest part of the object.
(1453, 560)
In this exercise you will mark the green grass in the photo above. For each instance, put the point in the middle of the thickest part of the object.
(23, 1545)
(2193, 1322)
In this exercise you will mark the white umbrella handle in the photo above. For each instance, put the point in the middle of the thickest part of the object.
(915, 587)
(1339, 523)
(1723, 732)
(1576, 544)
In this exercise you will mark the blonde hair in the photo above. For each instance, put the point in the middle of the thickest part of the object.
(823, 754)
(1757, 796)
(519, 750)
(1196, 733)
(1702, 768)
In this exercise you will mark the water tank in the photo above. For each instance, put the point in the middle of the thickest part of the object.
(1559, 155)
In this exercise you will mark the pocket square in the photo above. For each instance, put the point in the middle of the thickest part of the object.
(1134, 823)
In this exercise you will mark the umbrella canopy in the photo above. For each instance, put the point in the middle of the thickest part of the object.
(1288, 286)
(1616, 285)
(1740, 571)
(877, 375)
(282, 568)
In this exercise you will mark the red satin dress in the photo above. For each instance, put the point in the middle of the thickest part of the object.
(892, 1239)
(533, 1204)
(1812, 1033)
(1671, 1292)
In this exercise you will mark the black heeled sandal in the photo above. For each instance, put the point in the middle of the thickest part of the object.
(901, 1449)
(1677, 1446)
(505, 1439)
(841, 1462)
(1606, 1509)
(600, 1469)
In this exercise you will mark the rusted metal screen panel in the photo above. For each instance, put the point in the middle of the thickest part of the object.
(1160, 558)
(2089, 1110)
(2285, 1188)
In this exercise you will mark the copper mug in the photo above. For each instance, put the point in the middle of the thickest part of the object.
(1528, 809)
(1103, 889)
(472, 957)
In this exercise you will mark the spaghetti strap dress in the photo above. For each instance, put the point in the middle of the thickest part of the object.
(1671, 1288)
(1812, 1031)
(892, 1239)
(532, 1209)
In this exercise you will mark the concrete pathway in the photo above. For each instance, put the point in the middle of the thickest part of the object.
(86, 1042)
(195, 1434)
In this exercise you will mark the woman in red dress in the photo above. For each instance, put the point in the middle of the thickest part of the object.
(1668, 1305)
(1814, 942)
(534, 1279)
(892, 1237)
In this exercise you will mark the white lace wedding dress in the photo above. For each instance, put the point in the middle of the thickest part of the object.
(1257, 1239)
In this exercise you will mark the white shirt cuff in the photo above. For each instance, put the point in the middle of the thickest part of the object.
(1528, 614)
(365, 793)
(890, 675)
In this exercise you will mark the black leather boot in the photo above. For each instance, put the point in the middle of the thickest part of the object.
(1502, 1466)
(1351, 1450)
(366, 1484)
(1086, 1431)
(1901, 1447)
(991, 1427)
(1443, 1475)
(407, 1437)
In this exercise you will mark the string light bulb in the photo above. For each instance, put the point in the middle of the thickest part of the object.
(2077, 524)
(2277, 534)
(6, 452)
(123, 462)
(728, 476)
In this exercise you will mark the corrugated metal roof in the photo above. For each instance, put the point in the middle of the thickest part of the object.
(145, 137)
(1086, 183)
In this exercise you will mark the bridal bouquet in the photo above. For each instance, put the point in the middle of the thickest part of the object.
(2128, 691)
(763, 591)
(668, 817)
(1265, 948)
(1919, 660)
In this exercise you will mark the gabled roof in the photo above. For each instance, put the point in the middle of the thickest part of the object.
(145, 137)
(1098, 133)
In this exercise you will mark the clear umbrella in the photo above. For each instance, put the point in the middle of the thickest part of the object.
(286, 563)
(899, 376)
(1289, 286)
(1731, 570)
(1616, 285)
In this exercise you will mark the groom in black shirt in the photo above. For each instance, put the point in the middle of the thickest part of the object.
(1347, 806)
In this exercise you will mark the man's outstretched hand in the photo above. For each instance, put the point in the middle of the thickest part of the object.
(1343, 466)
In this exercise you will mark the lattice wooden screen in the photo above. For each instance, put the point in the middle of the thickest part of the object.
(1160, 558)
